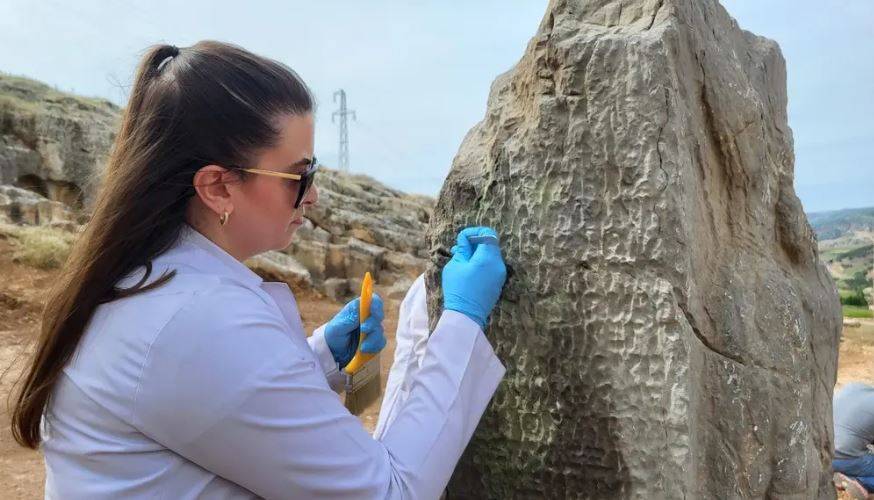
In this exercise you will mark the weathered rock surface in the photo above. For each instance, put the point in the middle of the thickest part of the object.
(277, 266)
(22, 206)
(53, 147)
(51, 142)
(360, 225)
(668, 329)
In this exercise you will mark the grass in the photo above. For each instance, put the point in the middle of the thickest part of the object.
(857, 312)
(38, 246)
(860, 251)
(834, 253)
(849, 252)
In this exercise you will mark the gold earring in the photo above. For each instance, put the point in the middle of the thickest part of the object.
(224, 218)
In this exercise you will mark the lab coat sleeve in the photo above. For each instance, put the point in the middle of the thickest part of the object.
(227, 389)
(411, 341)
(320, 348)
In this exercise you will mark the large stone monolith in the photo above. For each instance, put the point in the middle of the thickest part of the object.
(668, 329)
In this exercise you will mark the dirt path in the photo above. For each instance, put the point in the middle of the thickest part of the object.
(856, 360)
(22, 290)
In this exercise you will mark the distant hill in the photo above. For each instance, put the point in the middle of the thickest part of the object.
(838, 223)
(846, 246)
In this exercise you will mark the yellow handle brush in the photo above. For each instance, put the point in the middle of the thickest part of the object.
(362, 372)
(363, 313)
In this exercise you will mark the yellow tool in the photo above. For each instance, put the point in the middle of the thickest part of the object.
(362, 372)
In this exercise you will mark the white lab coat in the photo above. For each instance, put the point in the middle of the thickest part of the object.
(207, 387)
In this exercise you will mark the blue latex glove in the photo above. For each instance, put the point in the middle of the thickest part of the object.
(342, 333)
(473, 278)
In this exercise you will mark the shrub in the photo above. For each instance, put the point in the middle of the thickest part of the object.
(855, 298)
(39, 246)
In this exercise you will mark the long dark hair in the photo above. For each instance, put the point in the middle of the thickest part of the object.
(211, 103)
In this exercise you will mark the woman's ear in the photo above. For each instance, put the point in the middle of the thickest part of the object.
(210, 183)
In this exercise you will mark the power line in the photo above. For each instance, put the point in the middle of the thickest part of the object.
(344, 128)
(378, 140)
(402, 160)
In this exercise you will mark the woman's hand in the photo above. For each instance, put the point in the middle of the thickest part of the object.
(473, 278)
(342, 332)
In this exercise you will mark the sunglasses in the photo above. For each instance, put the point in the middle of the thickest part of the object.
(306, 178)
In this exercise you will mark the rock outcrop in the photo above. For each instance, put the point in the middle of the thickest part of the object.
(25, 207)
(53, 147)
(668, 329)
(360, 225)
(53, 143)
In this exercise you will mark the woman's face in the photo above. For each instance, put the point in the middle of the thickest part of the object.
(264, 217)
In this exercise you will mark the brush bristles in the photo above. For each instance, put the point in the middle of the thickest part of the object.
(362, 393)
(358, 401)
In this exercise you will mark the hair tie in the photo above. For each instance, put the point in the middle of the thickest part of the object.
(174, 51)
(165, 61)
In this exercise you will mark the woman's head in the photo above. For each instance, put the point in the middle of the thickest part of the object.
(207, 109)
(196, 118)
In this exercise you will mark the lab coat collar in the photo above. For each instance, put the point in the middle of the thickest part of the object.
(196, 251)
(199, 252)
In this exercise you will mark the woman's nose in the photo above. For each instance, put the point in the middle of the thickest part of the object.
(312, 196)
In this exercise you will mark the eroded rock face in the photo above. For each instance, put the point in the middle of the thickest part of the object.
(53, 143)
(24, 207)
(668, 329)
(359, 225)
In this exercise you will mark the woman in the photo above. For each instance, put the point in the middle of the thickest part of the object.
(166, 369)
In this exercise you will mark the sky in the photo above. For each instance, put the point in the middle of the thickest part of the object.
(417, 73)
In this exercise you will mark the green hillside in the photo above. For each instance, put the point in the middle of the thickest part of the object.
(846, 246)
